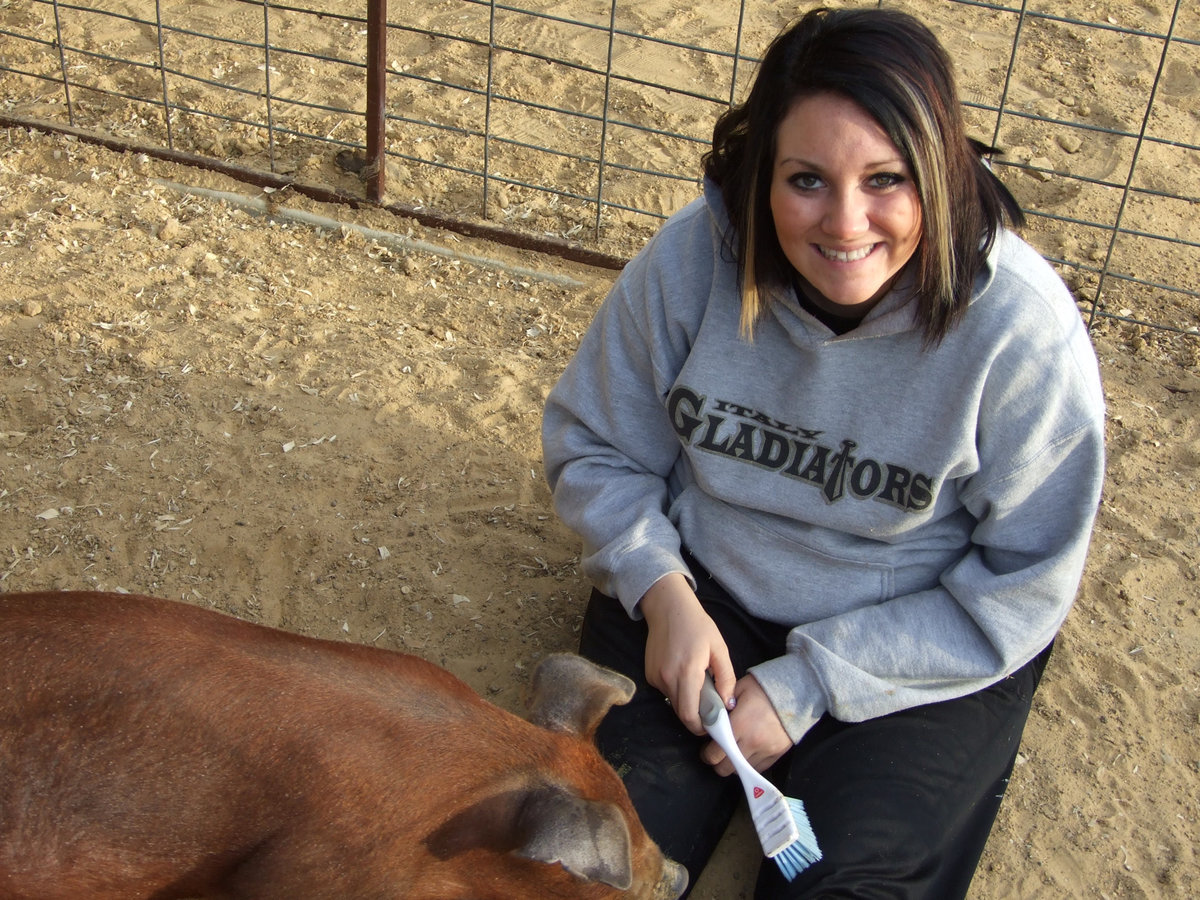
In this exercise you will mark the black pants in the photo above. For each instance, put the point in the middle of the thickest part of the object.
(901, 805)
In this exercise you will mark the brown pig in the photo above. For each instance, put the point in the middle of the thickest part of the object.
(152, 750)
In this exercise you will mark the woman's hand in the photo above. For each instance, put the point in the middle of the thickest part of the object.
(683, 643)
(756, 727)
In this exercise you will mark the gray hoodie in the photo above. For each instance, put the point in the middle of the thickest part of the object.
(920, 517)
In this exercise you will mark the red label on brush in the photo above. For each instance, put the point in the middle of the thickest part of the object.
(758, 792)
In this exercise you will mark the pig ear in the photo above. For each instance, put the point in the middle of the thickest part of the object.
(588, 838)
(572, 694)
(543, 823)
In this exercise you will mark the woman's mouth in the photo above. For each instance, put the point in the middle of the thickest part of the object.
(846, 255)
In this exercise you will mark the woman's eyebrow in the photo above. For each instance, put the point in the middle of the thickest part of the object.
(816, 167)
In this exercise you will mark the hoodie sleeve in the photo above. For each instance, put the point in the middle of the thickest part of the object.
(993, 611)
(1034, 498)
(608, 445)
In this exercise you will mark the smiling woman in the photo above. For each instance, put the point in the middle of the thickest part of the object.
(889, 81)
(835, 438)
(846, 211)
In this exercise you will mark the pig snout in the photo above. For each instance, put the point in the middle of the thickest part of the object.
(673, 883)
(153, 750)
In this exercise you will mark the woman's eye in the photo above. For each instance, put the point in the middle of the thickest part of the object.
(886, 180)
(806, 181)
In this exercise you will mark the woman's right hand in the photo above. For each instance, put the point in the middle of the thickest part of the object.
(683, 643)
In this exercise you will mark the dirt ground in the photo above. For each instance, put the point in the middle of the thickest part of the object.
(335, 431)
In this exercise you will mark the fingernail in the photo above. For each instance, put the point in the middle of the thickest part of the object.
(731, 703)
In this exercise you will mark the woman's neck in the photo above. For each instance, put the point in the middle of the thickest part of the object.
(836, 318)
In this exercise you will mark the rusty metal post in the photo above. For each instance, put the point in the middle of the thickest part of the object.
(374, 174)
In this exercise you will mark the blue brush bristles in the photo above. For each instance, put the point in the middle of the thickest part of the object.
(803, 851)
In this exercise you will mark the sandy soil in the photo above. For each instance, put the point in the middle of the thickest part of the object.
(335, 431)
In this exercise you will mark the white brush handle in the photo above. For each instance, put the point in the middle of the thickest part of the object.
(716, 723)
(769, 809)
(776, 818)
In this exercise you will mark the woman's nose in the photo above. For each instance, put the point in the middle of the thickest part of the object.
(846, 215)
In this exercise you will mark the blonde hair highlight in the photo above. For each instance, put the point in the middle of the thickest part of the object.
(752, 305)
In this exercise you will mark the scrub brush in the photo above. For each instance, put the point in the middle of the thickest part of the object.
(781, 822)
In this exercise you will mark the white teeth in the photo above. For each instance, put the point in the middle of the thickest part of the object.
(843, 256)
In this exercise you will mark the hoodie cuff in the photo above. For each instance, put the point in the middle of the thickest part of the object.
(640, 571)
(793, 689)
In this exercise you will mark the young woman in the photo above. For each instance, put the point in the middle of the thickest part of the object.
(835, 437)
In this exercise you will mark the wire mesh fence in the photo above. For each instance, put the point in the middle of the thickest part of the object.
(577, 126)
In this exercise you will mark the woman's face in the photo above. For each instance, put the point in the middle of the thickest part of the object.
(846, 209)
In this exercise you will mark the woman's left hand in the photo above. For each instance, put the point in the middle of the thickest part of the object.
(756, 727)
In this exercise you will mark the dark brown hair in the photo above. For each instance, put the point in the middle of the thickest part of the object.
(893, 67)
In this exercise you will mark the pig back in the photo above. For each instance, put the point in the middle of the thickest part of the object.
(156, 749)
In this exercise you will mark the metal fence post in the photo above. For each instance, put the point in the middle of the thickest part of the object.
(62, 64)
(1137, 152)
(487, 108)
(1008, 74)
(608, 77)
(162, 72)
(267, 83)
(374, 173)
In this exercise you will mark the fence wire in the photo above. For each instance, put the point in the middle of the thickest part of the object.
(577, 126)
